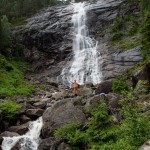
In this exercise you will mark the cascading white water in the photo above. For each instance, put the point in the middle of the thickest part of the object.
(86, 61)
(29, 141)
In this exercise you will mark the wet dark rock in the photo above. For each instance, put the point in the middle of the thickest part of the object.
(24, 119)
(34, 113)
(21, 129)
(9, 134)
(53, 143)
(104, 87)
(61, 113)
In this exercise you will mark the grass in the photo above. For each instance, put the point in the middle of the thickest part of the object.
(12, 81)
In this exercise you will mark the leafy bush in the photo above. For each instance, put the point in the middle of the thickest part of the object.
(101, 133)
(10, 109)
(72, 133)
(12, 79)
(120, 84)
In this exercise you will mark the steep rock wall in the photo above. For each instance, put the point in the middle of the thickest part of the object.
(48, 39)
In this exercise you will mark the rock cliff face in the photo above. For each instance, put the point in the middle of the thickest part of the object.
(48, 39)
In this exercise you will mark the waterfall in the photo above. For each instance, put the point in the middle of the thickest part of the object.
(29, 141)
(86, 59)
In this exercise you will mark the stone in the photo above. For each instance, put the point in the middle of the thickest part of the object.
(24, 119)
(8, 134)
(117, 64)
(104, 87)
(92, 102)
(61, 113)
(113, 101)
(34, 112)
(21, 129)
(53, 143)
(41, 104)
(59, 95)
(85, 91)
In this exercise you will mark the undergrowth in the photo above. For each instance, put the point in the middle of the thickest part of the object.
(101, 133)
(12, 81)
(10, 110)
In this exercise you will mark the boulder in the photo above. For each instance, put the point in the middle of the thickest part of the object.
(41, 104)
(85, 91)
(34, 113)
(104, 87)
(24, 119)
(9, 134)
(59, 95)
(113, 101)
(21, 129)
(53, 143)
(61, 113)
(95, 100)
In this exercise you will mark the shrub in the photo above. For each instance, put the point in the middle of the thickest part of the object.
(12, 81)
(72, 133)
(120, 84)
(10, 109)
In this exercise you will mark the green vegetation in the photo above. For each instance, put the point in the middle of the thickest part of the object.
(131, 30)
(120, 85)
(18, 10)
(101, 133)
(10, 109)
(73, 133)
(11, 78)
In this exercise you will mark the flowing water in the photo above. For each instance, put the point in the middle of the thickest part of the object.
(29, 141)
(86, 60)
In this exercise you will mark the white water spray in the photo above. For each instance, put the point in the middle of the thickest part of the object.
(29, 141)
(86, 61)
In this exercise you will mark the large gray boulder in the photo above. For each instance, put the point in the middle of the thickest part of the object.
(104, 87)
(61, 113)
(53, 143)
(21, 129)
(35, 113)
